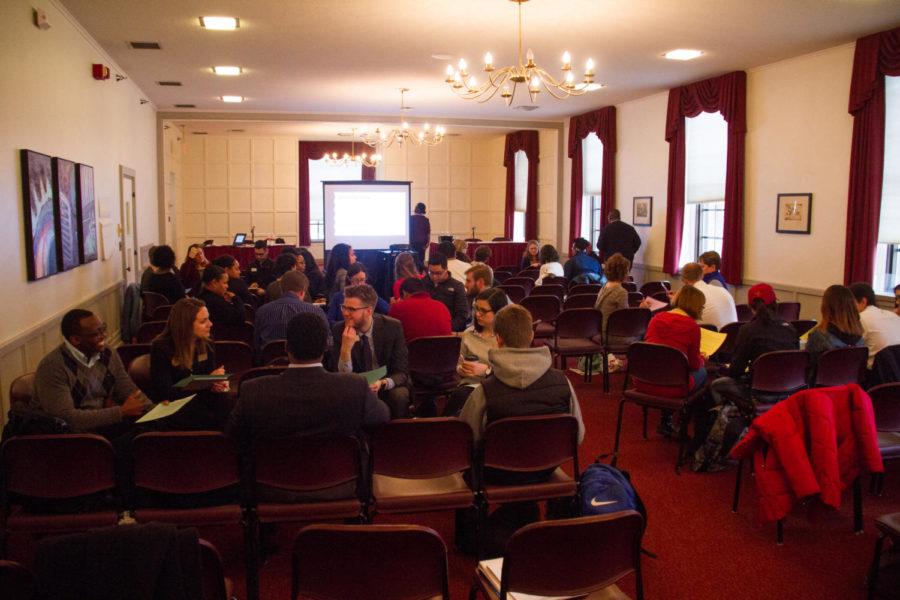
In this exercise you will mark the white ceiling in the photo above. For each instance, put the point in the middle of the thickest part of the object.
(305, 130)
(350, 56)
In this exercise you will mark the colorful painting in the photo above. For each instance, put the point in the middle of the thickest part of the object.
(66, 193)
(40, 228)
(87, 216)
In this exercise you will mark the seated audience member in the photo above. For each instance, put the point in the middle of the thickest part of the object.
(224, 307)
(305, 400)
(356, 275)
(550, 264)
(482, 255)
(149, 270)
(711, 263)
(340, 259)
(420, 315)
(461, 246)
(181, 350)
(582, 267)
(720, 309)
(839, 327)
(447, 290)
(259, 271)
(83, 383)
(192, 268)
(404, 266)
(476, 343)
(236, 285)
(365, 341)
(613, 297)
(765, 332)
(456, 266)
(531, 258)
(313, 274)
(163, 279)
(522, 381)
(478, 278)
(272, 318)
(881, 328)
(284, 263)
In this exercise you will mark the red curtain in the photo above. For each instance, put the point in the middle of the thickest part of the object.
(728, 95)
(876, 56)
(603, 123)
(315, 151)
(527, 141)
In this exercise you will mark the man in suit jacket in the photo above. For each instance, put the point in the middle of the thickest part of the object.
(619, 237)
(365, 341)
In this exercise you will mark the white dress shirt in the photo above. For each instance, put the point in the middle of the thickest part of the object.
(719, 308)
(881, 328)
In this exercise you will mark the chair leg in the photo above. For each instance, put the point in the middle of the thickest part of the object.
(638, 577)
(605, 358)
(779, 532)
(737, 486)
(857, 506)
(615, 456)
(588, 367)
(873, 573)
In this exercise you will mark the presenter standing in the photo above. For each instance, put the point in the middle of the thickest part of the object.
(419, 232)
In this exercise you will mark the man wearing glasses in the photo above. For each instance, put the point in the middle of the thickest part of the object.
(448, 291)
(83, 383)
(365, 341)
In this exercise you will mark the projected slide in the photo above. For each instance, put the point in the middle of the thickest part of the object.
(368, 215)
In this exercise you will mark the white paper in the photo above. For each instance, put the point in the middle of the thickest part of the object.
(495, 567)
(164, 410)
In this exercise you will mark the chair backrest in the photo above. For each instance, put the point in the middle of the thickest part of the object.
(233, 332)
(511, 269)
(630, 286)
(555, 280)
(731, 331)
(661, 296)
(709, 326)
(259, 372)
(656, 364)
(383, 562)
(128, 352)
(57, 466)
(780, 372)
(548, 289)
(578, 323)
(627, 322)
(580, 301)
(585, 288)
(840, 366)
(503, 448)
(544, 308)
(139, 371)
(249, 313)
(161, 313)
(744, 313)
(572, 557)
(501, 276)
(803, 325)
(789, 311)
(16, 581)
(886, 402)
(531, 272)
(151, 301)
(212, 574)
(635, 299)
(653, 287)
(306, 463)
(184, 462)
(525, 282)
(21, 389)
(272, 350)
(149, 331)
(236, 357)
(436, 354)
(515, 292)
(422, 448)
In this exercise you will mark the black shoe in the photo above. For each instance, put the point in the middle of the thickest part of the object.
(665, 427)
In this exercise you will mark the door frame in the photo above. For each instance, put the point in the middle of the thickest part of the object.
(126, 173)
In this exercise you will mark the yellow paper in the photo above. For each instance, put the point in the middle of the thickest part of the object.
(711, 341)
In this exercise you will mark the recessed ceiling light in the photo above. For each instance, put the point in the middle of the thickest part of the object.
(227, 70)
(232, 98)
(220, 23)
(145, 45)
(683, 54)
(185, 106)
(169, 83)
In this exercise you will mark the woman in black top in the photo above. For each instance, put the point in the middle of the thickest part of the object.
(340, 259)
(163, 280)
(531, 258)
(313, 273)
(224, 307)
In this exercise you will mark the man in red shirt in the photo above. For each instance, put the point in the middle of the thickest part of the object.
(420, 315)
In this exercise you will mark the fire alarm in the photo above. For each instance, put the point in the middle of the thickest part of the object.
(101, 72)
(40, 19)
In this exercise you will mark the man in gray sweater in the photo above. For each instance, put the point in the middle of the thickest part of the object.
(83, 383)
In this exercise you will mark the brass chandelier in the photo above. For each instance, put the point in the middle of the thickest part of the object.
(348, 158)
(527, 73)
(383, 138)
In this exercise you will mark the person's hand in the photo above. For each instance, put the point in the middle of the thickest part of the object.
(376, 387)
(229, 295)
(253, 286)
(472, 369)
(133, 405)
(645, 303)
(220, 386)
(672, 295)
(348, 339)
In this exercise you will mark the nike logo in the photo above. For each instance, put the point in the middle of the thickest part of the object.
(604, 503)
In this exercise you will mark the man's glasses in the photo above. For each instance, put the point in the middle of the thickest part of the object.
(483, 311)
(352, 309)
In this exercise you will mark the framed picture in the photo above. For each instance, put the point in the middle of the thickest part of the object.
(87, 215)
(794, 213)
(40, 226)
(66, 200)
(643, 210)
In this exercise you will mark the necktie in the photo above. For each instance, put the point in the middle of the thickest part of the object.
(366, 353)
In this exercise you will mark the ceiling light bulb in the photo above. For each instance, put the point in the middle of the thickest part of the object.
(440, 130)
(230, 71)
(232, 99)
(449, 71)
(457, 77)
(405, 126)
(683, 54)
(421, 135)
(529, 56)
(220, 23)
(472, 83)
(535, 82)
(567, 58)
(589, 65)
(462, 65)
(488, 59)
(570, 78)
(427, 127)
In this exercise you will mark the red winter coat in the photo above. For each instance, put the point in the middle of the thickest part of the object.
(838, 423)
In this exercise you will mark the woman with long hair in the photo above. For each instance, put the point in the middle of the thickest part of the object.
(340, 259)
(313, 273)
(192, 268)
(531, 258)
(404, 266)
(840, 326)
(550, 264)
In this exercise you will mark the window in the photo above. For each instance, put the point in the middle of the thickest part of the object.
(521, 190)
(887, 257)
(319, 171)
(592, 176)
(706, 151)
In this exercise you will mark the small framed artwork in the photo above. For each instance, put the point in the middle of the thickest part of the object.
(87, 216)
(66, 198)
(643, 210)
(794, 213)
(40, 226)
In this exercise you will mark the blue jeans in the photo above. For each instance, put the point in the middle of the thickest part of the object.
(699, 378)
